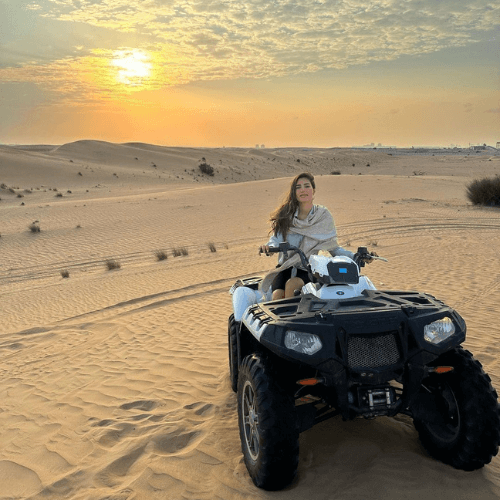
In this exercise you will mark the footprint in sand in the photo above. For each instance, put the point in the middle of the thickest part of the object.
(112, 436)
(139, 405)
(202, 409)
(176, 441)
(114, 473)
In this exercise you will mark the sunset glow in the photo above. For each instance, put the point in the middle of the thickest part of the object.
(332, 73)
(133, 67)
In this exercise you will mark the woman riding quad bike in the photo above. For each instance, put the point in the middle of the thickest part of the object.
(341, 347)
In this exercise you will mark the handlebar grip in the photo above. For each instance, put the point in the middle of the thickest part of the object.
(271, 250)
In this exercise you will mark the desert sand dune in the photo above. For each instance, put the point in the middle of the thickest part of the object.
(114, 384)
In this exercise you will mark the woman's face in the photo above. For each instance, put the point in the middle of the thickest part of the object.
(304, 190)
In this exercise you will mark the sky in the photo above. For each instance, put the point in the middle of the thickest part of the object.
(237, 73)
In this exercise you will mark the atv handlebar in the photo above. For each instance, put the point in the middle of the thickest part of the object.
(285, 247)
(360, 257)
(363, 255)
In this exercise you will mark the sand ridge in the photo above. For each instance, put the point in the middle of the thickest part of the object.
(114, 384)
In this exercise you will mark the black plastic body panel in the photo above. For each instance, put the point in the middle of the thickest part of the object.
(367, 341)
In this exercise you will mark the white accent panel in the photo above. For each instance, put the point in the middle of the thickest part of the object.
(254, 325)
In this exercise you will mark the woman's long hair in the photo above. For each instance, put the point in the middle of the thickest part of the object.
(282, 217)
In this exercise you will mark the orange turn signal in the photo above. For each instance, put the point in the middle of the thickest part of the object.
(443, 369)
(309, 381)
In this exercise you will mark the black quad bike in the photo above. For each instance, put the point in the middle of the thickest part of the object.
(342, 347)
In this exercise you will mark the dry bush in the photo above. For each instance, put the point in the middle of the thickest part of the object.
(205, 167)
(34, 227)
(112, 264)
(65, 274)
(161, 255)
(336, 172)
(212, 247)
(59, 195)
(484, 191)
(180, 251)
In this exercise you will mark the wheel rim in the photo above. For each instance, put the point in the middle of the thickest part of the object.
(250, 418)
(448, 430)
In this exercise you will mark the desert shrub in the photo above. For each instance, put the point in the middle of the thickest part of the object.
(180, 251)
(205, 167)
(212, 247)
(336, 172)
(3, 186)
(112, 264)
(34, 227)
(59, 195)
(65, 274)
(161, 255)
(19, 195)
(484, 191)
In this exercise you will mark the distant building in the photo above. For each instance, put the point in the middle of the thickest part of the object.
(498, 145)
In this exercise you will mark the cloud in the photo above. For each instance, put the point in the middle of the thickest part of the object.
(194, 40)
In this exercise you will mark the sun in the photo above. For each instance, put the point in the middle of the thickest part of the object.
(134, 66)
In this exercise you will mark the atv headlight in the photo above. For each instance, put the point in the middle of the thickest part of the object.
(439, 330)
(305, 343)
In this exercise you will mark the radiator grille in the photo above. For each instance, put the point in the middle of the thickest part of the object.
(372, 351)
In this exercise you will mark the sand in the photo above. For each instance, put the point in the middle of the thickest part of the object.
(114, 384)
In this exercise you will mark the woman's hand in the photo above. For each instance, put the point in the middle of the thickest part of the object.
(264, 249)
(369, 260)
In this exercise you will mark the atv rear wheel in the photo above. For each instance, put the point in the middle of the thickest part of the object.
(232, 342)
(462, 426)
(268, 423)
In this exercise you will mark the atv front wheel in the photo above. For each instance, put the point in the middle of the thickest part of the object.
(462, 426)
(268, 423)
(232, 332)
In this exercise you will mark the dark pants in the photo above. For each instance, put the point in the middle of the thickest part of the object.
(281, 279)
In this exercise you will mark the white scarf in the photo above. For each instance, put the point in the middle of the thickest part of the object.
(319, 233)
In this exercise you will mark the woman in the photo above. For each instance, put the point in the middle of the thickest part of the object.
(302, 224)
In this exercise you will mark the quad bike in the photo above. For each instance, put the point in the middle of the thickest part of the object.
(342, 347)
